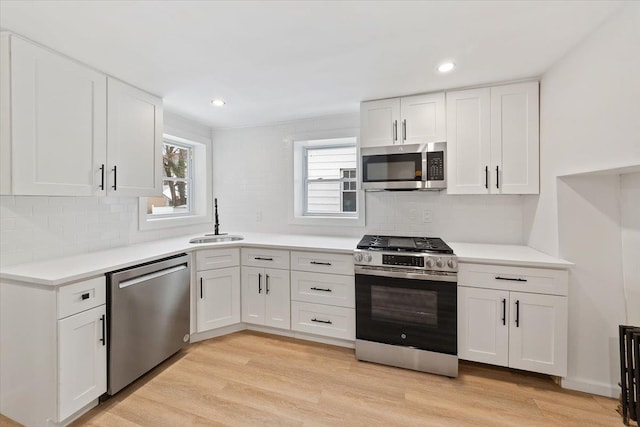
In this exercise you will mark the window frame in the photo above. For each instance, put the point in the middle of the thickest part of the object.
(295, 144)
(306, 180)
(201, 175)
(191, 186)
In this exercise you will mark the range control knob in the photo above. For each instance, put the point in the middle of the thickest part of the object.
(429, 262)
(367, 257)
(440, 263)
(451, 263)
(357, 257)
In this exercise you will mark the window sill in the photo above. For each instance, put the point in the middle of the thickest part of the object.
(328, 220)
(170, 222)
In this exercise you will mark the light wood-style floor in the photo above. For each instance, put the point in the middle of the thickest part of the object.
(249, 378)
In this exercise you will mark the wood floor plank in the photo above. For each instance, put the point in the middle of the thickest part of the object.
(254, 379)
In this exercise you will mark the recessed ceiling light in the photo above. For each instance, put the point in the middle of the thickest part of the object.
(446, 67)
(217, 102)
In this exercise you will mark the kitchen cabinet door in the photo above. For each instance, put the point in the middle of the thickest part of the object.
(380, 122)
(253, 292)
(538, 333)
(483, 325)
(58, 124)
(218, 301)
(278, 298)
(82, 360)
(134, 144)
(468, 144)
(515, 142)
(423, 118)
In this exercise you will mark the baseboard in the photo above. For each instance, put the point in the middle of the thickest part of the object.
(325, 340)
(601, 389)
(225, 330)
(269, 330)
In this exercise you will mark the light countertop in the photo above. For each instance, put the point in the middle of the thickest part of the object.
(60, 271)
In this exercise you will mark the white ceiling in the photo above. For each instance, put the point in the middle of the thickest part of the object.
(277, 61)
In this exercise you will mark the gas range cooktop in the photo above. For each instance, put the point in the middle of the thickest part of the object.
(432, 245)
(429, 254)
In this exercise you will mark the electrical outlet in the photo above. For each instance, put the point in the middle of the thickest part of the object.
(427, 216)
(259, 216)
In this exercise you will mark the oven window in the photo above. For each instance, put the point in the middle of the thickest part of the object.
(404, 306)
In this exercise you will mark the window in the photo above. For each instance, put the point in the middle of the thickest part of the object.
(348, 198)
(326, 167)
(177, 182)
(186, 178)
(325, 181)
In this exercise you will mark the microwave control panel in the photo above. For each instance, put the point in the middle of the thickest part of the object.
(435, 166)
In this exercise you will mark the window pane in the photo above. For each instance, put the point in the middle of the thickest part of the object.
(175, 161)
(349, 202)
(323, 197)
(174, 199)
(328, 163)
(352, 173)
(345, 186)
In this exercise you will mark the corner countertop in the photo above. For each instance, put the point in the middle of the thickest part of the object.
(65, 270)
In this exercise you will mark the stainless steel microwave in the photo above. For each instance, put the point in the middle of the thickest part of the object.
(404, 167)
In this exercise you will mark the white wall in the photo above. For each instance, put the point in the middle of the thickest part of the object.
(589, 121)
(630, 219)
(252, 181)
(38, 228)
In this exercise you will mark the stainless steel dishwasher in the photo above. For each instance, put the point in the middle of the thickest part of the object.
(148, 317)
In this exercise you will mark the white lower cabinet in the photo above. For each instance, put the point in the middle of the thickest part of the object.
(217, 288)
(483, 326)
(218, 301)
(538, 333)
(266, 297)
(514, 328)
(320, 319)
(53, 361)
(82, 359)
(323, 294)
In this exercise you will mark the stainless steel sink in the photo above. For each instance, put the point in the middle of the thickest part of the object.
(215, 239)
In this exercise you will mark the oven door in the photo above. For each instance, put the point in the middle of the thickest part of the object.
(407, 309)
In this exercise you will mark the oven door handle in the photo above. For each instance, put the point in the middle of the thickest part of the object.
(372, 271)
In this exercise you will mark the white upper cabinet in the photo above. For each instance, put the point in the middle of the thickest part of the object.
(423, 118)
(57, 115)
(379, 122)
(57, 137)
(468, 141)
(493, 140)
(515, 153)
(134, 142)
(410, 120)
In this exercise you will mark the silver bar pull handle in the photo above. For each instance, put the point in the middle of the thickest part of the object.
(395, 130)
(404, 130)
(320, 263)
(267, 284)
(313, 288)
(146, 277)
(260, 258)
(259, 283)
(328, 322)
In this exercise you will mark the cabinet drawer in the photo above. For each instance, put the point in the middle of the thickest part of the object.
(327, 320)
(269, 258)
(322, 262)
(81, 296)
(523, 279)
(209, 259)
(323, 288)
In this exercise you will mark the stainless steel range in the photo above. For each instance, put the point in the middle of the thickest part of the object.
(406, 303)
